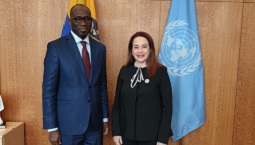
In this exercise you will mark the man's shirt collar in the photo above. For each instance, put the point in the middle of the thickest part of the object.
(78, 39)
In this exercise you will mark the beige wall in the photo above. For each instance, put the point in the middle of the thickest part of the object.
(227, 32)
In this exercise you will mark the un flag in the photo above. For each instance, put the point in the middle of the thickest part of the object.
(180, 53)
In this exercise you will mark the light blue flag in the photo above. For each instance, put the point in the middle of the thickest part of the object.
(180, 53)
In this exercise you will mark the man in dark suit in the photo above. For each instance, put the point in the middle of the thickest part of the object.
(75, 101)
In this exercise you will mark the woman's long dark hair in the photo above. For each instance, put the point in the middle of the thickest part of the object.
(152, 62)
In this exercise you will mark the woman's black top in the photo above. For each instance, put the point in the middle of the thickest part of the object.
(143, 113)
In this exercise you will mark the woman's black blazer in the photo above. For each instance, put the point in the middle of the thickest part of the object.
(142, 113)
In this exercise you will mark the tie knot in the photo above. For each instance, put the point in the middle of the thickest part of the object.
(83, 43)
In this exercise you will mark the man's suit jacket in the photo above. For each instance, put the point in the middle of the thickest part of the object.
(143, 113)
(70, 99)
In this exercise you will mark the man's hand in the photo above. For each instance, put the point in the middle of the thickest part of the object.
(105, 129)
(117, 140)
(54, 137)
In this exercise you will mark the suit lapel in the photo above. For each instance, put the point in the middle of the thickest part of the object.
(93, 51)
(73, 46)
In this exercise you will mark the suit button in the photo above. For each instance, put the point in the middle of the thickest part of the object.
(88, 100)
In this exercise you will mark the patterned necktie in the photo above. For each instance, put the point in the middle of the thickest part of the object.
(85, 58)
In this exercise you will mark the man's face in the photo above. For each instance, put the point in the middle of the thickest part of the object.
(80, 21)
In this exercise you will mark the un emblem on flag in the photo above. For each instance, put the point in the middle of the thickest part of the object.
(180, 51)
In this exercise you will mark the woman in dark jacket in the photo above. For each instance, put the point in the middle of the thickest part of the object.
(142, 109)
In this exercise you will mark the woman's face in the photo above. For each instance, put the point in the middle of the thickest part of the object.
(140, 51)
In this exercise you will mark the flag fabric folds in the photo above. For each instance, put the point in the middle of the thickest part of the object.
(91, 5)
(180, 53)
